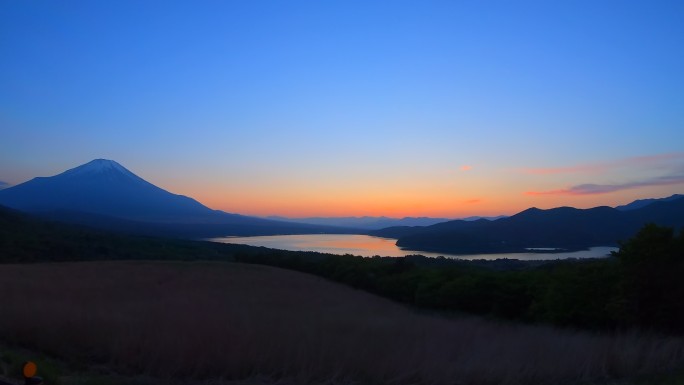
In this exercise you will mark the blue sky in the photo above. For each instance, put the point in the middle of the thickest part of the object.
(351, 107)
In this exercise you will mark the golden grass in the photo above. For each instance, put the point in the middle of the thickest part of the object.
(232, 321)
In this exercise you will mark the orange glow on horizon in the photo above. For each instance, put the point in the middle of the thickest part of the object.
(430, 193)
(450, 208)
(393, 207)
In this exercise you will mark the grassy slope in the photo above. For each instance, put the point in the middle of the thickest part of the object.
(234, 321)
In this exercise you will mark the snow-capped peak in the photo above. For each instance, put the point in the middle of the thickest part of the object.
(103, 165)
(99, 167)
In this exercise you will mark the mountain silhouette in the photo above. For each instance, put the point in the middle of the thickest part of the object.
(366, 222)
(376, 223)
(105, 187)
(639, 203)
(102, 193)
(562, 228)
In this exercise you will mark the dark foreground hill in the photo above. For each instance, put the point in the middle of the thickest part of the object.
(104, 194)
(562, 228)
(25, 238)
(207, 322)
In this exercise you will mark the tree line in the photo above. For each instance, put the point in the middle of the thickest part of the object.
(639, 286)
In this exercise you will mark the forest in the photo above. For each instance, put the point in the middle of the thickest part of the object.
(639, 286)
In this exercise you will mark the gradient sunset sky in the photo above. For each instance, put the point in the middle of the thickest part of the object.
(332, 108)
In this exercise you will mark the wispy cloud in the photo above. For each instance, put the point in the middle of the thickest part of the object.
(466, 168)
(595, 189)
(593, 168)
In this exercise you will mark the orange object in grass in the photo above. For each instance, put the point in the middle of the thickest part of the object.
(29, 369)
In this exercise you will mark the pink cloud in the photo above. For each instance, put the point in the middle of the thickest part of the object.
(466, 168)
(596, 189)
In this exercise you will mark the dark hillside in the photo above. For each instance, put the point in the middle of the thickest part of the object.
(24, 238)
(563, 228)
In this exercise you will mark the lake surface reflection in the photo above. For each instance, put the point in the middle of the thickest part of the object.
(368, 246)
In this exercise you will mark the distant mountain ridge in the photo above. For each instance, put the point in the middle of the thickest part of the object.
(477, 218)
(103, 193)
(563, 227)
(639, 203)
(375, 223)
(366, 222)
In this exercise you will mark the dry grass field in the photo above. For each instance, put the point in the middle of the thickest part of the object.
(228, 321)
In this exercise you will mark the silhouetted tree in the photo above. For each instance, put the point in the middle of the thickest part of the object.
(653, 278)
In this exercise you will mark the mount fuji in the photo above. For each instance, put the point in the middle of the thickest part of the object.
(103, 193)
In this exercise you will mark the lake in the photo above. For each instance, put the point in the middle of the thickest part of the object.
(368, 246)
